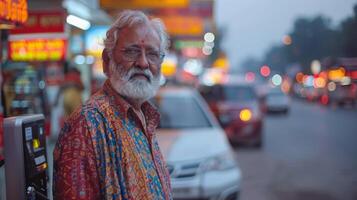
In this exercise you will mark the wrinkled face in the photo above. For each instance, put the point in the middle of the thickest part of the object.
(134, 70)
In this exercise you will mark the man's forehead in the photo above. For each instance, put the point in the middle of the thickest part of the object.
(141, 34)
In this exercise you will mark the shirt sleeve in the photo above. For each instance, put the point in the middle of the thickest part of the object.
(75, 174)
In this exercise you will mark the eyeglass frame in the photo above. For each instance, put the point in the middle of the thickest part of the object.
(137, 52)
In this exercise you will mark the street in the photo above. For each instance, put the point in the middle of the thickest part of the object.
(308, 154)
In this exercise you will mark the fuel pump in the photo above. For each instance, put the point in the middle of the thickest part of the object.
(26, 172)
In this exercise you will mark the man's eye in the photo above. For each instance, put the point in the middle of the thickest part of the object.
(132, 51)
(153, 54)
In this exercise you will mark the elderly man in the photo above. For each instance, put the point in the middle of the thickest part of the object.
(107, 149)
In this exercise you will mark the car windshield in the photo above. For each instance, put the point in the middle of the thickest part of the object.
(181, 112)
(228, 93)
(238, 93)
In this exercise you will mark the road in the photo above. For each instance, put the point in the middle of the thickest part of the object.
(310, 154)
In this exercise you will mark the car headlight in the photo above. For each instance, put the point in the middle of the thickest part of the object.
(245, 115)
(218, 163)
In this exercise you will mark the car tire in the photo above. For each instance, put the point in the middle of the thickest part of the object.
(258, 144)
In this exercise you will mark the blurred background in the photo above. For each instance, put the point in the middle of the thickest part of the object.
(279, 78)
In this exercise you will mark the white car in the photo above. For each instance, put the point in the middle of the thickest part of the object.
(277, 101)
(199, 157)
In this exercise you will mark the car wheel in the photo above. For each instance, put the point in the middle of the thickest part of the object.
(258, 143)
(286, 111)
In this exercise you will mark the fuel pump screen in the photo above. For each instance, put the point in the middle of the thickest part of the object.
(35, 147)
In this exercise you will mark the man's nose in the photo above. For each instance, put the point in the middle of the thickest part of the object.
(142, 61)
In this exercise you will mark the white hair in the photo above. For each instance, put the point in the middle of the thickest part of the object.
(128, 18)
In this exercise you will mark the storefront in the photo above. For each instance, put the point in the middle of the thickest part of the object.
(13, 13)
(33, 72)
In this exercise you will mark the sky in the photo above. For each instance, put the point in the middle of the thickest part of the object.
(253, 26)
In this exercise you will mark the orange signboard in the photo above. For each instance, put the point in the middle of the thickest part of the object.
(142, 4)
(183, 25)
(44, 21)
(37, 49)
(13, 11)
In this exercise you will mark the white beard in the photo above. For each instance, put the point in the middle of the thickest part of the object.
(131, 87)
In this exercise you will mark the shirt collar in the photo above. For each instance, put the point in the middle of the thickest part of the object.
(151, 114)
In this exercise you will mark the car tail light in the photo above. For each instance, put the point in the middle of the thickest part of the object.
(245, 115)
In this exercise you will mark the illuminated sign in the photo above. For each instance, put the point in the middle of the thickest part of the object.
(42, 22)
(137, 4)
(181, 44)
(183, 25)
(200, 8)
(221, 63)
(352, 74)
(13, 11)
(336, 74)
(37, 50)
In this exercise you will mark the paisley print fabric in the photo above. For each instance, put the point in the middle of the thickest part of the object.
(105, 152)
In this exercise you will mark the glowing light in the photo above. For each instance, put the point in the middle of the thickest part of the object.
(299, 77)
(221, 63)
(287, 40)
(336, 74)
(265, 71)
(285, 87)
(168, 68)
(315, 66)
(79, 59)
(324, 99)
(331, 86)
(209, 44)
(324, 75)
(37, 49)
(245, 115)
(276, 79)
(308, 80)
(250, 76)
(319, 82)
(90, 60)
(35, 143)
(346, 80)
(78, 22)
(206, 50)
(209, 37)
(354, 74)
(193, 66)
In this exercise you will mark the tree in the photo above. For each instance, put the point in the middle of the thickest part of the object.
(349, 33)
(311, 39)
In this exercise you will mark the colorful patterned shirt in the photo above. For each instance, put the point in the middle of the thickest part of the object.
(105, 152)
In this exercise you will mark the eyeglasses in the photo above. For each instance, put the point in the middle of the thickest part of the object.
(132, 54)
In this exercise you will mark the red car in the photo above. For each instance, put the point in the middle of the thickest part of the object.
(239, 111)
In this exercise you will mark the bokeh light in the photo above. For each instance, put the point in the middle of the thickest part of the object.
(276, 79)
(245, 115)
(265, 70)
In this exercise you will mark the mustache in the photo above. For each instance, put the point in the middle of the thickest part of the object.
(135, 71)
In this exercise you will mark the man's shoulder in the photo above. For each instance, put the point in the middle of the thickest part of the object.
(97, 101)
(79, 119)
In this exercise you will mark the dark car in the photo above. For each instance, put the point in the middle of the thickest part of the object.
(343, 94)
(238, 109)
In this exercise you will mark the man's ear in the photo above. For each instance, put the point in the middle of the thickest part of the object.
(105, 58)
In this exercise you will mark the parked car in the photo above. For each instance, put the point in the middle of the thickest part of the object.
(199, 157)
(277, 101)
(343, 94)
(239, 109)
